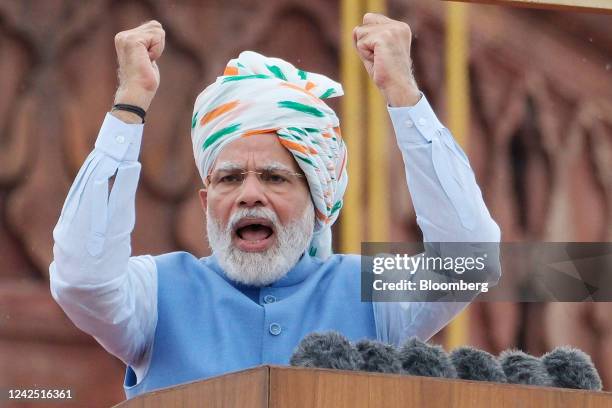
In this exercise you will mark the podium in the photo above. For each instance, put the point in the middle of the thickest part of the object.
(296, 387)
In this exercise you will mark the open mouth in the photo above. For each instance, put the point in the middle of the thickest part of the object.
(254, 234)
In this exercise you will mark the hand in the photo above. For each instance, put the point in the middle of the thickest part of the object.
(383, 45)
(138, 50)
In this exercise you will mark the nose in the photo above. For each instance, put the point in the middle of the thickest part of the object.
(251, 193)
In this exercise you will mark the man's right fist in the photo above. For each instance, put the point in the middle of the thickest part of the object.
(137, 51)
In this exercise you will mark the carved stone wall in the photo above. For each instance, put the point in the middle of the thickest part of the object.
(58, 76)
(541, 141)
(541, 147)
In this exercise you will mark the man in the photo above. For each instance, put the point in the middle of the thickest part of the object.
(273, 164)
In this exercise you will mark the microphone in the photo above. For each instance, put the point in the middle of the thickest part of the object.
(326, 350)
(523, 368)
(478, 365)
(419, 358)
(378, 357)
(572, 368)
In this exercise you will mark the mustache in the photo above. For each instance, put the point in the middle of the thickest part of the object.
(241, 213)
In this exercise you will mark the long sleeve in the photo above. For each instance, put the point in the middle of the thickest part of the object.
(103, 290)
(449, 208)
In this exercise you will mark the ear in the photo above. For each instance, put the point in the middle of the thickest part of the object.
(203, 198)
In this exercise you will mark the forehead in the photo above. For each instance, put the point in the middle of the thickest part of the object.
(256, 151)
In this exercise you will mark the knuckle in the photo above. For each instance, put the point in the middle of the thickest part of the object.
(405, 28)
(128, 38)
(387, 35)
(398, 33)
(119, 37)
(123, 39)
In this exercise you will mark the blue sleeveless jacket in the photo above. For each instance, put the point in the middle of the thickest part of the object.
(208, 325)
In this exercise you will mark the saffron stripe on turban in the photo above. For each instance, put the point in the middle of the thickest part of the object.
(258, 94)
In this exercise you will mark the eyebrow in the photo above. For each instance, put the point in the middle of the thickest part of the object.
(271, 166)
(228, 166)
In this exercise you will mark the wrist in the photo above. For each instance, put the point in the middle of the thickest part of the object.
(142, 99)
(126, 117)
(402, 96)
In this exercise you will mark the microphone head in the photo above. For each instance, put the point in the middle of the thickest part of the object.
(523, 368)
(378, 357)
(572, 368)
(326, 350)
(420, 358)
(478, 365)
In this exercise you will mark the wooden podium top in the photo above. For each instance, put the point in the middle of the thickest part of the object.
(274, 386)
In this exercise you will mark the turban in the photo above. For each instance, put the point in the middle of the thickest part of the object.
(257, 94)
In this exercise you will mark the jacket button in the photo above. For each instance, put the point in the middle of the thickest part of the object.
(269, 299)
(275, 329)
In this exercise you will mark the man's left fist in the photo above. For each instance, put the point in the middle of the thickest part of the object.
(383, 45)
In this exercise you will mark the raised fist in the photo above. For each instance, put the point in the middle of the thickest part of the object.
(383, 45)
(138, 50)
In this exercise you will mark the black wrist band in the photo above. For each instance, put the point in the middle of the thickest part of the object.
(131, 108)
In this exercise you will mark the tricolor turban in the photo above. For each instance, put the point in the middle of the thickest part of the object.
(257, 94)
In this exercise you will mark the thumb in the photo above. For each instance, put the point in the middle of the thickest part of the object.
(155, 47)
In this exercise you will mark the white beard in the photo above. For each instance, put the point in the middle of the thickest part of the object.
(266, 267)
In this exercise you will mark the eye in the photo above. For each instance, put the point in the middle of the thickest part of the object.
(229, 178)
(273, 178)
